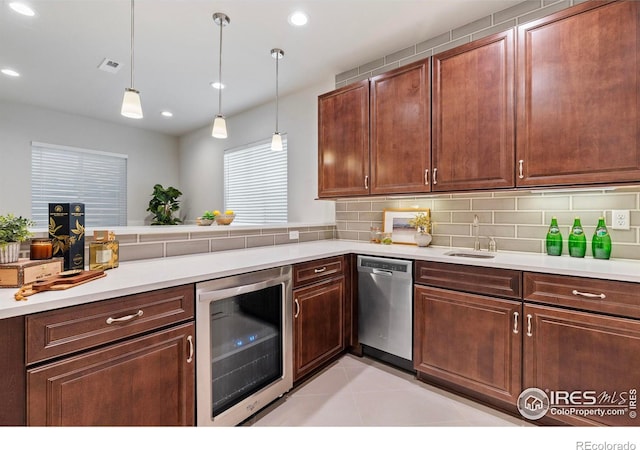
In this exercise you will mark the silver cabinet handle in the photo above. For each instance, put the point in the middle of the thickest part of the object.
(426, 177)
(320, 270)
(111, 320)
(588, 294)
(366, 181)
(190, 341)
(435, 173)
(529, 333)
(295, 316)
(520, 163)
(515, 322)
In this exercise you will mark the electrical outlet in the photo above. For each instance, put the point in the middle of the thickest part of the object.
(620, 219)
(294, 235)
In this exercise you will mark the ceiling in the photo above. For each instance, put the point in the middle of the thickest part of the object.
(58, 51)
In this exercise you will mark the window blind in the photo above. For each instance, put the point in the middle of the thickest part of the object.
(61, 174)
(255, 183)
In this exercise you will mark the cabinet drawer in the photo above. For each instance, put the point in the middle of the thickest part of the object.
(320, 269)
(611, 297)
(478, 280)
(63, 331)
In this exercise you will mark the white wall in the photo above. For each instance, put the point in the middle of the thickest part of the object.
(201, 156)
(153, 157)
(192, 163)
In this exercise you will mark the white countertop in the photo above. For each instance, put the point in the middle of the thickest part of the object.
(145, 275)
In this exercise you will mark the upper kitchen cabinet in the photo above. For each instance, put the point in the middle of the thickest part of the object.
(343, 141)
(381, 125)
(400, 130)
(473, 115)
(578, 99)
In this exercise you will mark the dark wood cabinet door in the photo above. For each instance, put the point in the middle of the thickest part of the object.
(574, 351)
(578, 113)
(318, 324)
(148, 381)
(469, 340)
(343, 141)
(473, 115)
(400, 130)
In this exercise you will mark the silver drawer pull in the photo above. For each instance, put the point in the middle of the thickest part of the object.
(295, 316)
(521, 168)
(588, 294)
(515, 322)
(111, 320)
(529, 332)
(320, 270)
(190, 340)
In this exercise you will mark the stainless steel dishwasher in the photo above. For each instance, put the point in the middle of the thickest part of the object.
(385, 306)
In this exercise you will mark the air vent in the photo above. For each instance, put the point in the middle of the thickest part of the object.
(109, 65)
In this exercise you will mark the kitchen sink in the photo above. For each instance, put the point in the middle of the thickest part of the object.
(470, 254)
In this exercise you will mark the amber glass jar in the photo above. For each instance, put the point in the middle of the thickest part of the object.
(40, 248)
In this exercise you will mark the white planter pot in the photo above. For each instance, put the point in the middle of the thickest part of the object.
(423, 239)
(9, 253)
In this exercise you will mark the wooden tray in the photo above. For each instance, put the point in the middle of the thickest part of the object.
(62, 281)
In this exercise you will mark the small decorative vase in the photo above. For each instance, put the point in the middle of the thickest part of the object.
(9, 253)
(423, 239)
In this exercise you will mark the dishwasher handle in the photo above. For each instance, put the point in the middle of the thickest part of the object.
(386, 273)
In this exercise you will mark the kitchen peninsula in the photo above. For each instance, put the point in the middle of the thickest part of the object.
(136, 281)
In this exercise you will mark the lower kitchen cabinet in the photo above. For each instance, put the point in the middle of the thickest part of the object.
(319, 316)
(469, 341)
(122, 361)
(587, 360)
(147, 381)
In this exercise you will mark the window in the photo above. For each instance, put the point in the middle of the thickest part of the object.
(65, 174)
(255, 183)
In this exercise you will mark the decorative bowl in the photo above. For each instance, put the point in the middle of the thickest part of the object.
(225, 219)
(203, 222)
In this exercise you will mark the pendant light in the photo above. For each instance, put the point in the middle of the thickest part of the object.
(219, 124)
(131, 106)
(276, 140)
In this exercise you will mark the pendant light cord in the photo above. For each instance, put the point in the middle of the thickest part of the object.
(220, 70)
(277, 58)
(132, 22)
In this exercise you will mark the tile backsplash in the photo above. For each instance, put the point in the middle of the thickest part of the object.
(518, 220)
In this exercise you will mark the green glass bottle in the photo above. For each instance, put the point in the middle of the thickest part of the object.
(601, 243)
(554, 239)
(577, 240)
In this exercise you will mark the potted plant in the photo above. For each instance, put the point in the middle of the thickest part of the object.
(422, 223)
(13, 231)
(162, 205)
(207, 218)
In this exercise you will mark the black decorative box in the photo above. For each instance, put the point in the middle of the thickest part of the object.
(66, 230)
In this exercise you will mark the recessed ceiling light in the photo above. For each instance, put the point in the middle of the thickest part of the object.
(298, 19)
(167, 113)
(22, 8)
(217, 85)
(10, 72)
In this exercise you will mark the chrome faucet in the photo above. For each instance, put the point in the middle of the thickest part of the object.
(476, 228)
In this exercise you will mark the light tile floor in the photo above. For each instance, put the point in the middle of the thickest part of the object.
(355, 392)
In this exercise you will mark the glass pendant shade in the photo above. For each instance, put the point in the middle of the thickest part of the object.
(276, 142)
(131, 106)
(219, 127)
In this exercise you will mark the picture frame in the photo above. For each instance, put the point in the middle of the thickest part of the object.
(396, 222)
